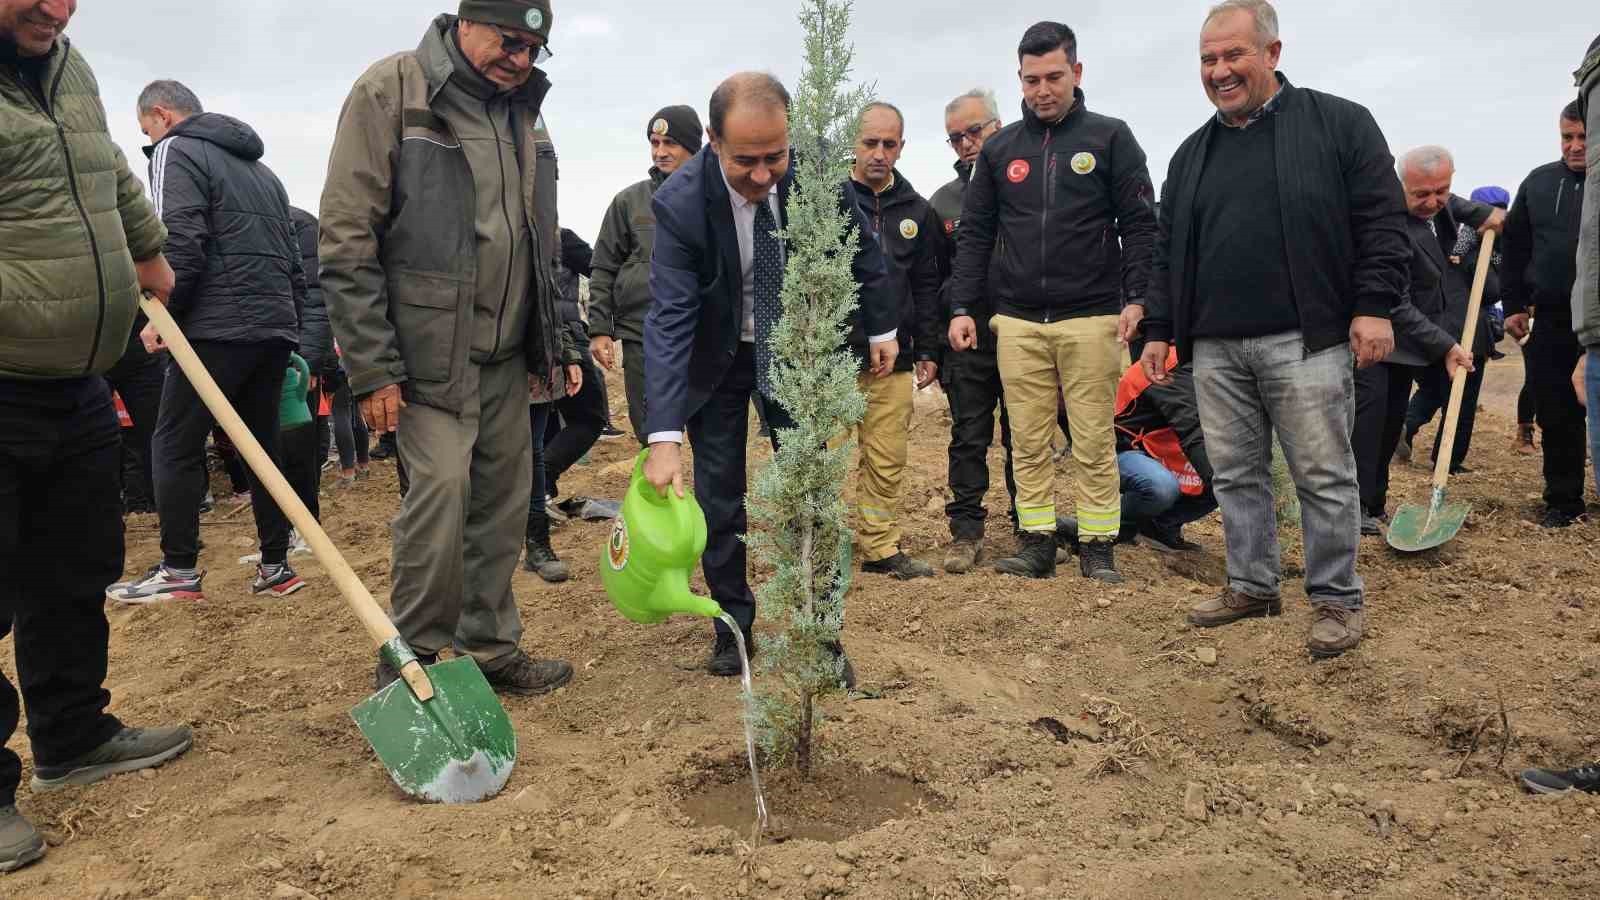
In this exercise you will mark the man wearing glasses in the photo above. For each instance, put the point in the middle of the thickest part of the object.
(972, 378)
(437, 222)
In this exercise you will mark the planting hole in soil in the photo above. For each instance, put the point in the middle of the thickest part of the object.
(839, 801)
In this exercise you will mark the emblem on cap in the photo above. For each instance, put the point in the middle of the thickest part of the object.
(1018, 171)
(659, 126)
(1083, 163)
(535, 19)
(908, 229)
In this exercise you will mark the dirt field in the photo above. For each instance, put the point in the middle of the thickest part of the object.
(1257, 774)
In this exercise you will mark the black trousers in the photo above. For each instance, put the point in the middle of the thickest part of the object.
(251, 377)
(633, 383)
(1381, 394)
(302, 458)
(349, 429)
(1526, 413)
(137, 377)
(1431, 398)
(581, 419)
(718, 433)
(60, 545)
(972, 383)
(1553, 353)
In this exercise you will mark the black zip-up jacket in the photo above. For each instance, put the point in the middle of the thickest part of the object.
(912, 239)
(1541, 243)
(316, 332)
(230, 238)
(1043, 215)
(1344, 221)
(947, 202)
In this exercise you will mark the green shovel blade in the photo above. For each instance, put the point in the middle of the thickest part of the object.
(1416, 528)
(458, 747)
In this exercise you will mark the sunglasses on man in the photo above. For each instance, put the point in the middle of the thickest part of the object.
(511, 45)
(971, 134)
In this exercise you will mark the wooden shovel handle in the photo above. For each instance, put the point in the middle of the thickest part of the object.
(378, 626)
(1458, 385)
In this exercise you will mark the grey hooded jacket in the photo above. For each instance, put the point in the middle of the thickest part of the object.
(1586, 290)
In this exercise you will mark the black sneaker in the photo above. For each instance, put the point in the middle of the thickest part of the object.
(1097, 560)
(542, 561)
(1371, 526)
(129, 750)
(899, 566)
(1551, 781)
(1165, 539)
(278, 580)
(386, 674)
(525, 676)
(611, 432)
(20, 842)
(724, 661)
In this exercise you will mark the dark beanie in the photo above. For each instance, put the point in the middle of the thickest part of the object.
(523, 15)
(681, 123)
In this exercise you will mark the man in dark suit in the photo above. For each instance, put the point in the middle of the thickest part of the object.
(715, 275)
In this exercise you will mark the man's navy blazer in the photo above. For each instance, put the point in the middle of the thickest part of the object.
(691, 335)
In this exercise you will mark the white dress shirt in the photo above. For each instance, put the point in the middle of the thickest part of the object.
(744, 225)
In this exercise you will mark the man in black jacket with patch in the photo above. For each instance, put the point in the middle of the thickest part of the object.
(910, 235)
(240, 291)
(1282, 248)
(1541, 266)
(971, 378)
(1057, 229)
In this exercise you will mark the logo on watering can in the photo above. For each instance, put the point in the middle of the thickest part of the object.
(617, 550)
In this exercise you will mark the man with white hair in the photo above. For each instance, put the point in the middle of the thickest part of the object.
(1282, 252)
(1428, 323)
(971, 379)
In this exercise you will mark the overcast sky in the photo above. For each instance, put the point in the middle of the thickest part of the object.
(1486, 79)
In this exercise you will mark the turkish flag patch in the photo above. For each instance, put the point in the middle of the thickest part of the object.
(1018, 171)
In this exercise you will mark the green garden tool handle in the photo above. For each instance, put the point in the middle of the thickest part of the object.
(381, 630)
(1458, 385)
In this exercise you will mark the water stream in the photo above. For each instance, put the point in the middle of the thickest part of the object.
(749, 726)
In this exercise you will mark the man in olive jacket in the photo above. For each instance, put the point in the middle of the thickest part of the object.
(435, 269)
(619, 288)
(80, 243)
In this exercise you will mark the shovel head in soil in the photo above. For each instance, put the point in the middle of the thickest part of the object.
(1417, 528)
(458, 747)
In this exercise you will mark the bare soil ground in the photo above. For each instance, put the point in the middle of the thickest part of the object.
(1017, 739)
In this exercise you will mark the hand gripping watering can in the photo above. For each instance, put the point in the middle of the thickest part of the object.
(654, 544)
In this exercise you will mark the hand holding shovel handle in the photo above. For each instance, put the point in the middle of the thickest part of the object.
(1458, 384)
(379, 628)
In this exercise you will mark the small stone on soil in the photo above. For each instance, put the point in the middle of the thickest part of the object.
(1194, 802)
(1206, 655)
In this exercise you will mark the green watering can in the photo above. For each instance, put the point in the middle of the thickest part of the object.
(655, 542)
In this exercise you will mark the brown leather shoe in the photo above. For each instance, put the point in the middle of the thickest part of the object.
(1334, 630)
(1230, 606)
(1524, 442)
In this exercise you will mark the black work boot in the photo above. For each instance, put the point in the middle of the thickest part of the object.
(541, 559)
(1097, 560)
(724, 661)
(1036, 557)
(525, 676)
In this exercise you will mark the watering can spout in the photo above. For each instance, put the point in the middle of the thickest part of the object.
(655, 542)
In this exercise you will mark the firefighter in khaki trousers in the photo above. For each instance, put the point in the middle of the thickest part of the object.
(1063, 204)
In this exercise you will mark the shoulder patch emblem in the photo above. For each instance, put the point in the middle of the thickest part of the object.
(908, 229)
(1018, 171)
(950, 225)
(535, 19)
(1083, 163)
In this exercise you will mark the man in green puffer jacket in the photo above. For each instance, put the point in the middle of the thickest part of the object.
(79, 242)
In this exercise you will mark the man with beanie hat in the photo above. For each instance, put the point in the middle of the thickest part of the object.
(436, 246)
(619, 288)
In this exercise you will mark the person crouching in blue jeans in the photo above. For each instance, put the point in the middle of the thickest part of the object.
(1161, 456)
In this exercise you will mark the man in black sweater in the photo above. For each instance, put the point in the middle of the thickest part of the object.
(1282, 249)
(1541, 255)
(1057, 229)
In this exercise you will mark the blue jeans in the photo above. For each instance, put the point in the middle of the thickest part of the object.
(1150, 491)
(538, 515)
(1591, 384)
(1247, 388)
